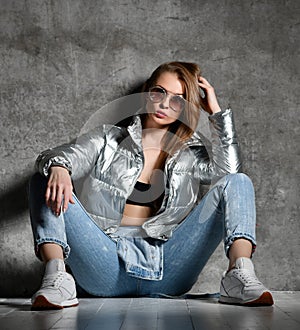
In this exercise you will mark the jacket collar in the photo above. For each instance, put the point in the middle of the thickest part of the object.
(135, 130)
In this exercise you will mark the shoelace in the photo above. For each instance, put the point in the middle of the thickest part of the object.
(247, 277)
(54, 280)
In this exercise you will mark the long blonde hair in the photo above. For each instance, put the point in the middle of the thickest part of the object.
(183, 128)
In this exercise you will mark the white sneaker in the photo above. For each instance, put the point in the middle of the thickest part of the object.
(58, 288)
(241, 286)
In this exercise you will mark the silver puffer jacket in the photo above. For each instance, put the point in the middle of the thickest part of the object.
(109, 160)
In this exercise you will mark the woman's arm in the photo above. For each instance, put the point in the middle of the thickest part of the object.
(77, 157)
(225, 148)
(58, 164)
(226, 155)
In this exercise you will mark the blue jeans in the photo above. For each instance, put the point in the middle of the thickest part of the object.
(227, 211)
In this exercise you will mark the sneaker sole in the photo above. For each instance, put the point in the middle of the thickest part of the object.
(265, 299)
(42, 302)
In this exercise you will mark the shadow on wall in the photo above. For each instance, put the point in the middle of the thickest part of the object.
(14, 200)
(20, 272)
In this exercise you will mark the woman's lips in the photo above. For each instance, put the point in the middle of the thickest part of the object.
(160, 114)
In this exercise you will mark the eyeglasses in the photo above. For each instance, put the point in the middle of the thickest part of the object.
(158, 94)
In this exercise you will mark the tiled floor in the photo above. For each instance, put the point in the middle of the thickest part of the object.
(150, 313)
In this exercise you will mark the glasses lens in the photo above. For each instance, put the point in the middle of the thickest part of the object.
(156, 94)
(177, 103)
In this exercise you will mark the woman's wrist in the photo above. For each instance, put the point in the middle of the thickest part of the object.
(216, 110)
(58, 168)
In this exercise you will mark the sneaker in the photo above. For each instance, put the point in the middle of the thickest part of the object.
(241, 286)
(58, 288)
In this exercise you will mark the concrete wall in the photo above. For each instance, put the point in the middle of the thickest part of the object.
(61, 60)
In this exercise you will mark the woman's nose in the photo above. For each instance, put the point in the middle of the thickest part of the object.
(164, 104)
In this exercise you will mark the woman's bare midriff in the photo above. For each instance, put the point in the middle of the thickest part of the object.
(135, 215)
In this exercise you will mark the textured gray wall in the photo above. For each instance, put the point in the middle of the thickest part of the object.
(60, 61)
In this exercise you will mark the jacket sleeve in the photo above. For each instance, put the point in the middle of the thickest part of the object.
(78, 157)
(225, 155)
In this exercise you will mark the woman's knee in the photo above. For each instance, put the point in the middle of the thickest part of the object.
(37, 182)
(240, 179)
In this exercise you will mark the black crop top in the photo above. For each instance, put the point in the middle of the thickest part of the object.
(144, 194)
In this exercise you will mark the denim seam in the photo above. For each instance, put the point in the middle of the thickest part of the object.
(142, 273)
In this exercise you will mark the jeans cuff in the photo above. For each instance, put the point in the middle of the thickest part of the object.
(65, 246)
(232, 238)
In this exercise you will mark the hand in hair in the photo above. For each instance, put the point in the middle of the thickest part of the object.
(209, 102)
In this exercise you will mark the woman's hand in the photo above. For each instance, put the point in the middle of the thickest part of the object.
(59, 190)
(209, 102)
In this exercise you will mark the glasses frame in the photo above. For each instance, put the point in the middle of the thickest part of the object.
(164, 95)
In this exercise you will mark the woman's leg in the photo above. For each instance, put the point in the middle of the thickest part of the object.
(226, 211)
(93, 257)
(48, 229)
(240, 248)
(50, 251)
(91, 254)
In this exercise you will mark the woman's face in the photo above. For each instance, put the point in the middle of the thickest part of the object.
(166, 111)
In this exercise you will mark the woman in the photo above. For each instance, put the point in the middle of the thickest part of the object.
(141, 228)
